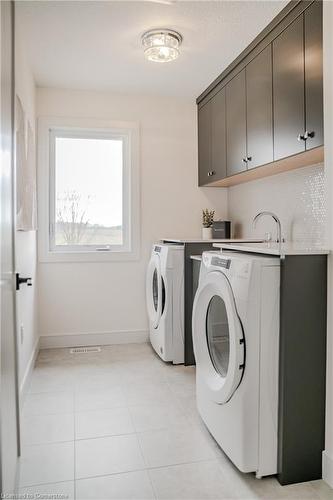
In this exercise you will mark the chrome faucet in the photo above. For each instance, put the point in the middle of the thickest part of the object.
(279, 238)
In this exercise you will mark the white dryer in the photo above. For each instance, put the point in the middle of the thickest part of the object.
(236, 345)
(165, 301)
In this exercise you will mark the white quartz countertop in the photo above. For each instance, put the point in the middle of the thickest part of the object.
(198, 240)
(274, 248)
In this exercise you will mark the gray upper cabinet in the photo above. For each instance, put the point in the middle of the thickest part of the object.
(204, 143)
(218, 144)
(288, 91)
(268, 104)
(236, 124)
(313, 43)
(259, 109)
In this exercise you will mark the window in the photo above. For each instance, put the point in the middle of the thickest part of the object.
(92, 196)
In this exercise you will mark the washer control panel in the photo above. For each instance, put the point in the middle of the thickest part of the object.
(221, 262)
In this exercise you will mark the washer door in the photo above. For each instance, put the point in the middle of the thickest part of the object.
(218, 337)
(155, 291)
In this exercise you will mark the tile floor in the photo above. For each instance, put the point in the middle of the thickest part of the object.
(121, 424)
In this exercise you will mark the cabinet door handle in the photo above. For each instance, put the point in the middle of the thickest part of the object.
(308, 135)
(211, 173)
(244, 160)
(249, 158)
(301, 137)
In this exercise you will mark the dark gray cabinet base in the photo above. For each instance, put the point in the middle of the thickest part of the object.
(302, 372)
(302, 364)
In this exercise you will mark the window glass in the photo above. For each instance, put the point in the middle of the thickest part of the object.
(88, 198)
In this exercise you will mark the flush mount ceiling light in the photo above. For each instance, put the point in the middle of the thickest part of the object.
(161, 45)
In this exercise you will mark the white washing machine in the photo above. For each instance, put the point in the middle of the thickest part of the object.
(165, 301)
(236, 345)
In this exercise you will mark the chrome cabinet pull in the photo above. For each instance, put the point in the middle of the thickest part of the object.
(309, 135)
(211, 173)
(301, 137)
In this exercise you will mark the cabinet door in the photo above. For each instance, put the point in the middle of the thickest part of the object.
(236, 124)
(204, 143)
(288, 91)
(313, 23)
(259, 109)
(218, 145)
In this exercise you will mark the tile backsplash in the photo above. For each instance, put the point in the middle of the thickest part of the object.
(297, 197)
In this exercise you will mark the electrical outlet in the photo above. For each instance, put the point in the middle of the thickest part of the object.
(22, 333)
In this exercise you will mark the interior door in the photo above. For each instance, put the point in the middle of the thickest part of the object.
(218, 337)
(236, 124)
(9, 383)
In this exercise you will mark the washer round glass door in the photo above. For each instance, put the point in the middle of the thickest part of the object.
(155, 291)
(218, 337)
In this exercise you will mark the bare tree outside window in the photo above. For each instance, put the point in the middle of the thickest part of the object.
(88, 192)
(71, 220)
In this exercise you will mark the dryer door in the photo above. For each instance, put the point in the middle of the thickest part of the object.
(218, 338)
(155, 291)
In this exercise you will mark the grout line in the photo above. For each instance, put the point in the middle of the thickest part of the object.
(74, 420)
(45, 484)
(156, 467)
(118, 473)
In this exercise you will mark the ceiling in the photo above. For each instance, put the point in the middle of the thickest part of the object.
(96, 44)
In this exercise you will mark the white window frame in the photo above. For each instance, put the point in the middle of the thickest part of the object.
(48, 130)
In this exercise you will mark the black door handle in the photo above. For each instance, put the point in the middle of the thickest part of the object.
(20, 281)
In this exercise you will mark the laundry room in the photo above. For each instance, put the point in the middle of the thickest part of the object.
(166, 228)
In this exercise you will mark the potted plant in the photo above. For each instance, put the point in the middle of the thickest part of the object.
(207, 222)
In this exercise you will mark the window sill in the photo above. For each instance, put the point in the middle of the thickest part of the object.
(86, 256)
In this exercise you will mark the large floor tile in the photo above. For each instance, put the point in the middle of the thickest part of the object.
(126, 486)
(48, 403)
(97, 380)
(269, 488)
(175, 445)
(91, 424)
(98, 399)
(322, 489)
(242, 485)
(51, 381)
(48, 463)
(151, 392)
(64, 490)
(39, 429)
(108, 455)
(196, 481)
(153, 417)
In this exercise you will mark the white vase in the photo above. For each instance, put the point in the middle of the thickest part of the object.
(206, 233)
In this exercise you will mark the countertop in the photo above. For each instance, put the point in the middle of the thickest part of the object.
(200, 240)
(287, 248)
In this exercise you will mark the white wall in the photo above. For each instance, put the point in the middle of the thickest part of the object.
(328, 107)
(26, 250)
(110, 297)
(297, 197)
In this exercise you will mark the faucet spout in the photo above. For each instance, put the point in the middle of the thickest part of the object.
(279, 238)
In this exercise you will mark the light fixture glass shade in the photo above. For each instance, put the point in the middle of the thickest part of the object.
(161, 45)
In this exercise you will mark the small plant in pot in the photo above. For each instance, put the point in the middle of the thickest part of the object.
(207, 223)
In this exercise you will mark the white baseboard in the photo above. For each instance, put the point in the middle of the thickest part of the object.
(28, 372)
(328, 468)
(90, 339)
